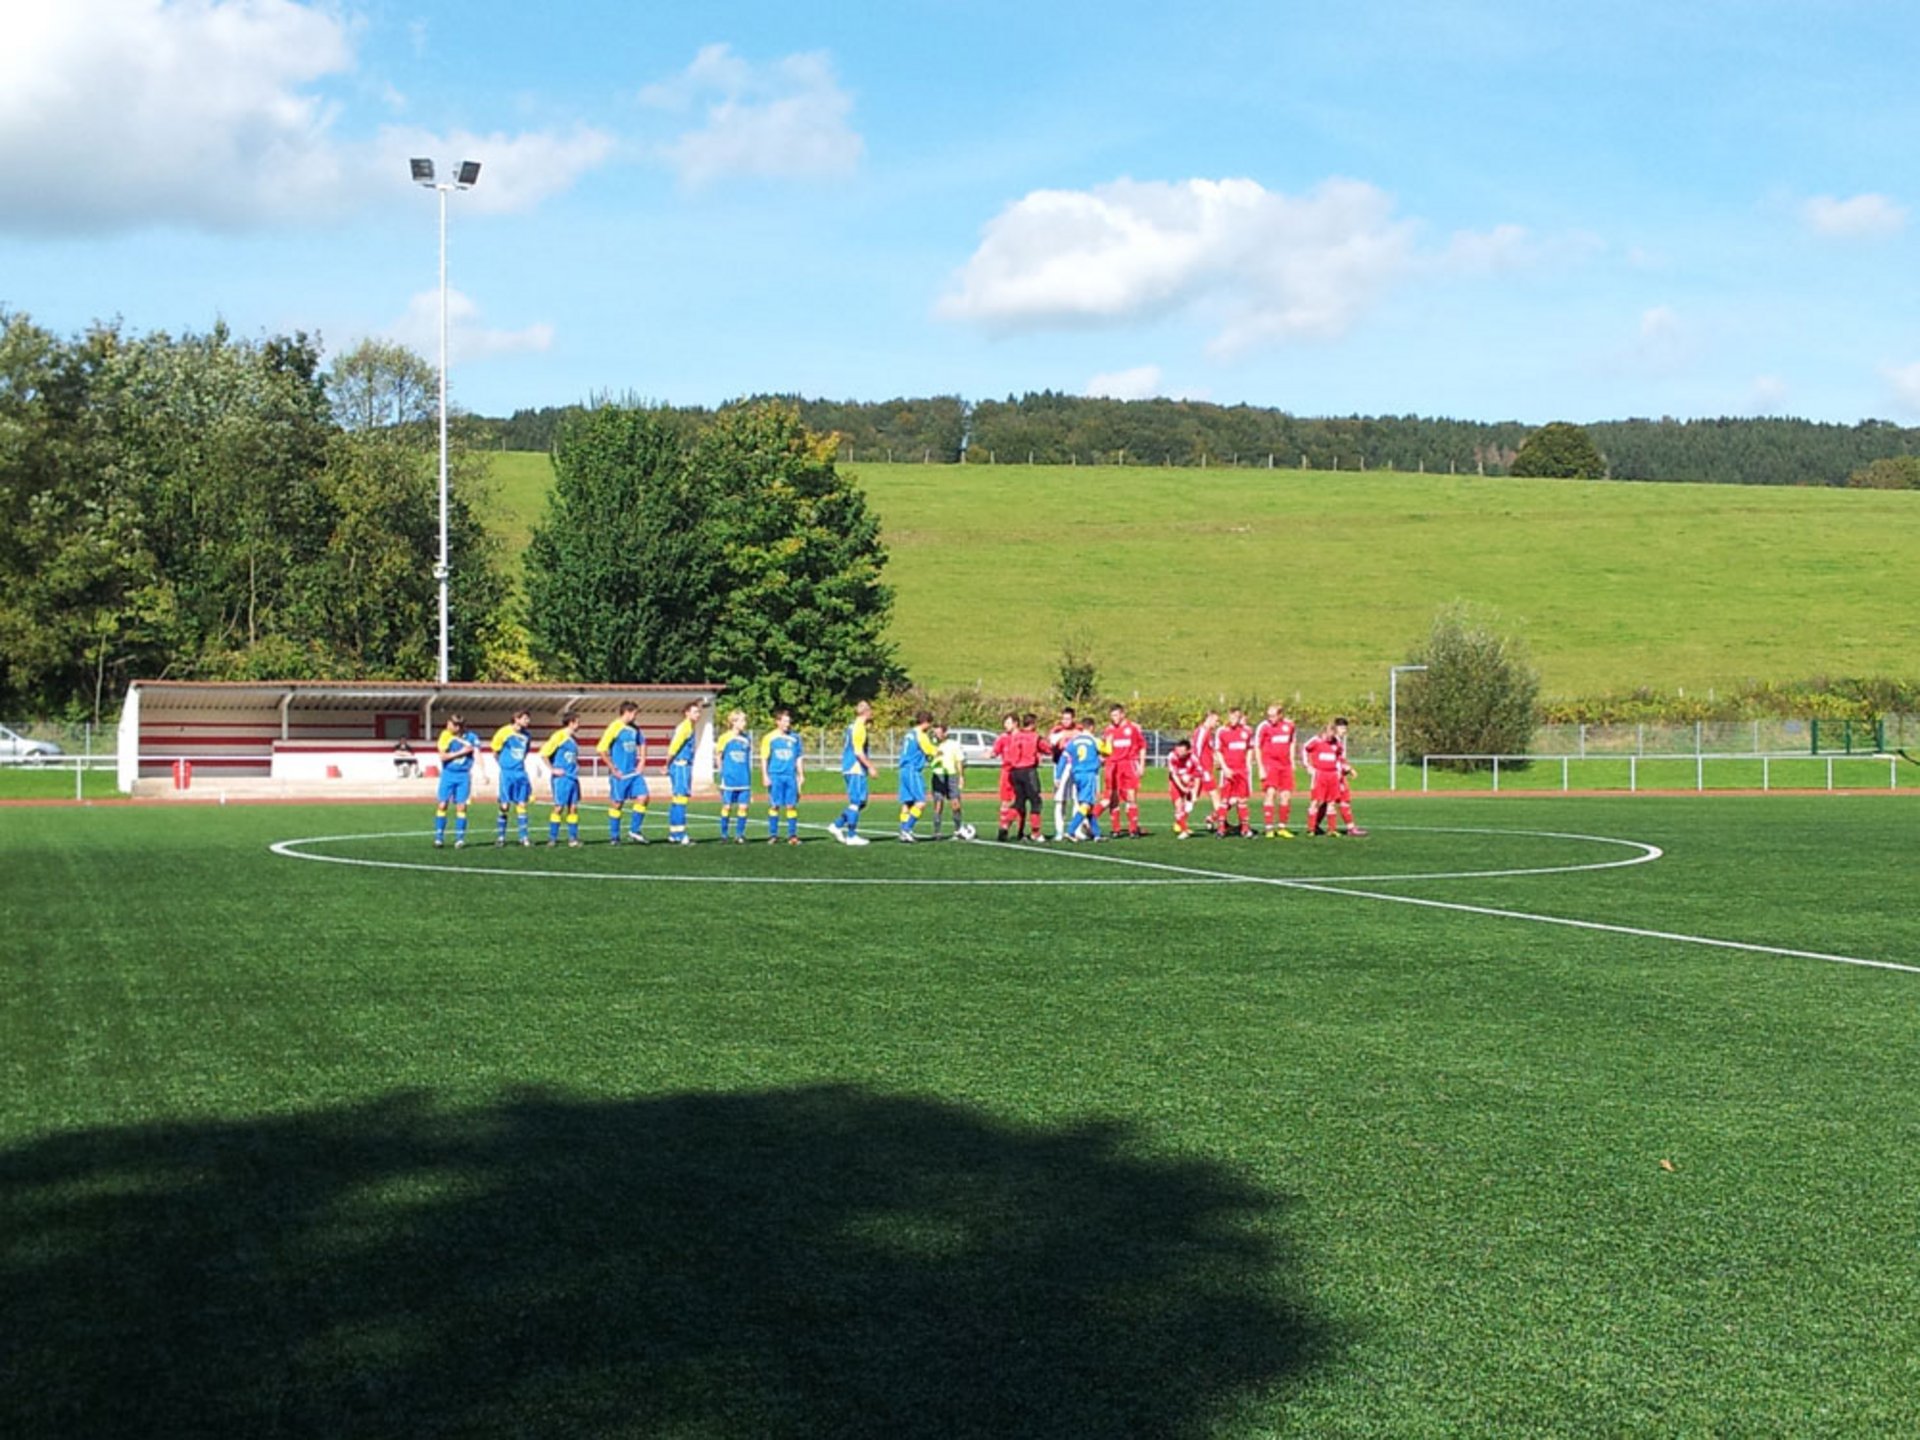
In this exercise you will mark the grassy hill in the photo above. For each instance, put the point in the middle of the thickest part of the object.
(1310, 583)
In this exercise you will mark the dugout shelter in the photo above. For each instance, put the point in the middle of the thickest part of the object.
(324, 739)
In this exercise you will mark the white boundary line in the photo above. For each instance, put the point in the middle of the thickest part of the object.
(1334, 887)
(289, 849)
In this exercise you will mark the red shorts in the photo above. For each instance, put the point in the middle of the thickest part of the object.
(1235, 785)
(1006, 785)
(1279, 777)
(1122, 783)
(1326, 786)
(1179, 796)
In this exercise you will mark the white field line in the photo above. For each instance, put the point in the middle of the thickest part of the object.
(290, 850)
(1336, 888)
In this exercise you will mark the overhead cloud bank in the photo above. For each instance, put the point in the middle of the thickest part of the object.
(467, 338)
(787, 119)
(214, 114)
(1862, 217)
(1276, 267)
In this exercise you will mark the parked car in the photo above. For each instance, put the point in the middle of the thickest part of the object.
(14, 746)
(976, 746)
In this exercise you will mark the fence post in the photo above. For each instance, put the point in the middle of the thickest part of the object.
(1766, 772)
(1699, 765)
(1633, 774)
(1829, 772)
(1563, 774)
(1583, 739)
(1496, 774)
(1423, 774)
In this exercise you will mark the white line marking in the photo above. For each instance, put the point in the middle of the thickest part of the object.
(1334, 887)
(288, 849)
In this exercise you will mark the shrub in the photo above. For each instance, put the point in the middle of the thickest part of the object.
(1477, 694)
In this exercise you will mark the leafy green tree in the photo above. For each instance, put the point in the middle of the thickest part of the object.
(743, 558)
(801, 611)
(620, 572)
(1560, 452)
(1477, 695)
(380, 384)
(1897, 472)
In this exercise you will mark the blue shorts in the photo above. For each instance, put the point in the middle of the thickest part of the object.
(455, 787)
(566, 792)
(736, 795)
(634, 787)
(680, 779)
(1086, 788)
(515, 787)
(913, 787)
(783, 792)
(857, 781)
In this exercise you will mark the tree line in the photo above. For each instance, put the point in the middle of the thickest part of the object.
(207, 507)
(1051, 428)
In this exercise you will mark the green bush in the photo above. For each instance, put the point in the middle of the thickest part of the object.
(1477, 694)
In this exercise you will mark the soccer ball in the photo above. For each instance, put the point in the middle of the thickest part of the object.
(965, 832)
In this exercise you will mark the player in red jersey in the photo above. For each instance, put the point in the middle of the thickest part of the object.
(1327, 754)
(1343, 799)
(1020, 752)
(1128, 743)
(1184, 774)
(1273, 744)
(1009, 723)
(1235, 741)
(1206, 754)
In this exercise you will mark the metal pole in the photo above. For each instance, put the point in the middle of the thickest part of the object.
(441, 571)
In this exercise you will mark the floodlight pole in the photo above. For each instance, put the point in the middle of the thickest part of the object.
(443, 571)
(464, 179)
(1394, 673)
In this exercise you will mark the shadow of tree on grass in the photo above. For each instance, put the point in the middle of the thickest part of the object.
(818, 1261)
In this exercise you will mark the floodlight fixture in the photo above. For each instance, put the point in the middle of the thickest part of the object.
(422, 171)
(469, 174)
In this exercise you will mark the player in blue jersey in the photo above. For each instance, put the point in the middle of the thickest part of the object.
(562, 754)
(916, 752)
(735, 752)
(509, 746)
(625, 751)
(856, 768)
(680, 752)
(1083, 751)
(458, 746)
(783, 766)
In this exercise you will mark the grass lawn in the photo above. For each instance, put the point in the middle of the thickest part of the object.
(1309, 584)
(1219, 1138)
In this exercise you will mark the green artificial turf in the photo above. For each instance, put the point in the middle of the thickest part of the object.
(1242, 583)
(1250, 1138)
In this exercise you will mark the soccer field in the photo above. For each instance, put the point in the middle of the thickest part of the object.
(1531, 1115)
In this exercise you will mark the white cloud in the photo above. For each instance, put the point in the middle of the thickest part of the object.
(467, 338)
(787, 119)
(1275, 267)
(213, 113)
(1142, 382)
(1768, 395)
(1905, 383)
(1863, 217)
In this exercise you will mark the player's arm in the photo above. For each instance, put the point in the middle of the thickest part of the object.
(766, 747)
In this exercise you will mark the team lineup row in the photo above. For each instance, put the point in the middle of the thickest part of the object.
(1092, 775)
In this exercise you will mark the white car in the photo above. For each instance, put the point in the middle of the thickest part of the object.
(14, 746)
(976, 746)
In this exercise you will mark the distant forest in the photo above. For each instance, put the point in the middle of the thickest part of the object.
(1048, 428)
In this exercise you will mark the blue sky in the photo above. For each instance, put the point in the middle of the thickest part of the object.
(1488, 209)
